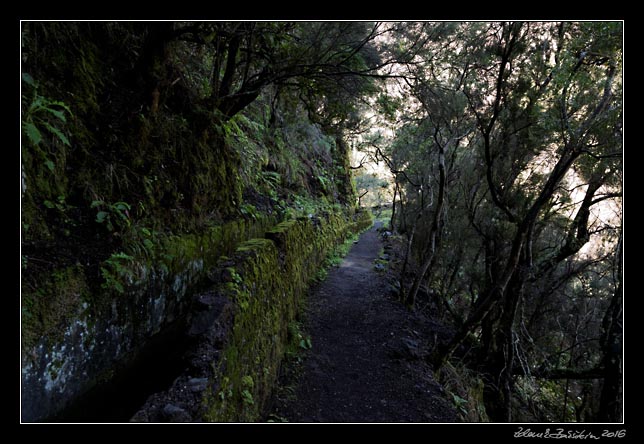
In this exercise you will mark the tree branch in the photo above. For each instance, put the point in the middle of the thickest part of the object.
(391, 166)
(362, 162)
(563, 373)
(231, 64)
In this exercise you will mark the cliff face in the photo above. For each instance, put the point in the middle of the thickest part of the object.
(131, 197)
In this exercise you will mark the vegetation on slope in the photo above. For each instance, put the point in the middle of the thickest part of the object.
(137, 132)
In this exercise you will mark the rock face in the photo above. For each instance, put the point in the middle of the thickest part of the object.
(175, 414)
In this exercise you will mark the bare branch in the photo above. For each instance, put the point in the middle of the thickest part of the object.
(362, 162)
(564, 373)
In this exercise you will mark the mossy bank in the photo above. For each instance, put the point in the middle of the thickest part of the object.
(269, 279)
(241, 324)
(82, 336)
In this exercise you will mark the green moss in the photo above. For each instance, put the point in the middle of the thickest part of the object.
(51, 303)
(48, 309)
(282, 226)
(252, 245)
(267, 284)
(363, 220)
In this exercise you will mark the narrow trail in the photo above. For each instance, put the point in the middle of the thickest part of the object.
(366, 363)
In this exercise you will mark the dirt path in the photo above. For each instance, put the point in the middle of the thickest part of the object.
(366, 361)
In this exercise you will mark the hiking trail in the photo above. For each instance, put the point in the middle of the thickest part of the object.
(366, 363)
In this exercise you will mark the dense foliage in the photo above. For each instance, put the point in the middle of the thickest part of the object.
(136, 131)
(507, 162)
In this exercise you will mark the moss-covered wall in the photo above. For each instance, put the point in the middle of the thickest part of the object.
(362, 220)
(86, 337)
(267, 283)
(75, 338)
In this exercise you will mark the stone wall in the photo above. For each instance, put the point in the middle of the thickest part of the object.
(84, 335)
(259, 269)
(241, 324)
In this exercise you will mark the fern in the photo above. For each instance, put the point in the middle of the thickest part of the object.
(37, 112)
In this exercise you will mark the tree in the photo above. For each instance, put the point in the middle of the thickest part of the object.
(370, 183)
(311, 56)
(544, 101)
(610, 408)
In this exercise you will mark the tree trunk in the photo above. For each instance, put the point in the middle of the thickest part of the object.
(231, 65)
(403, 271)
(499, 363)
(495, 295)
(393, 208)
(578, 234)
(402, 220)
(434, 230)
(610, 405)
(150, 67)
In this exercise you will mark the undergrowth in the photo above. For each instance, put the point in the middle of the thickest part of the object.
(465, 389)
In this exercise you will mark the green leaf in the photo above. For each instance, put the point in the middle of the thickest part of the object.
(63, 105)
(122, 206)
(26, 77)
(101, 216)
(122, 255)
(148, 244)
(50, 165)
(58, 133)
(247, 381)
(33, 133)
(118, 287)
(57, 113)
(458, 400)
(96, 203)
(37, 104)
(247, 397)
(49, 204)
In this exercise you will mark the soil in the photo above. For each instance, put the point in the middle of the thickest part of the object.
(367, 360)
